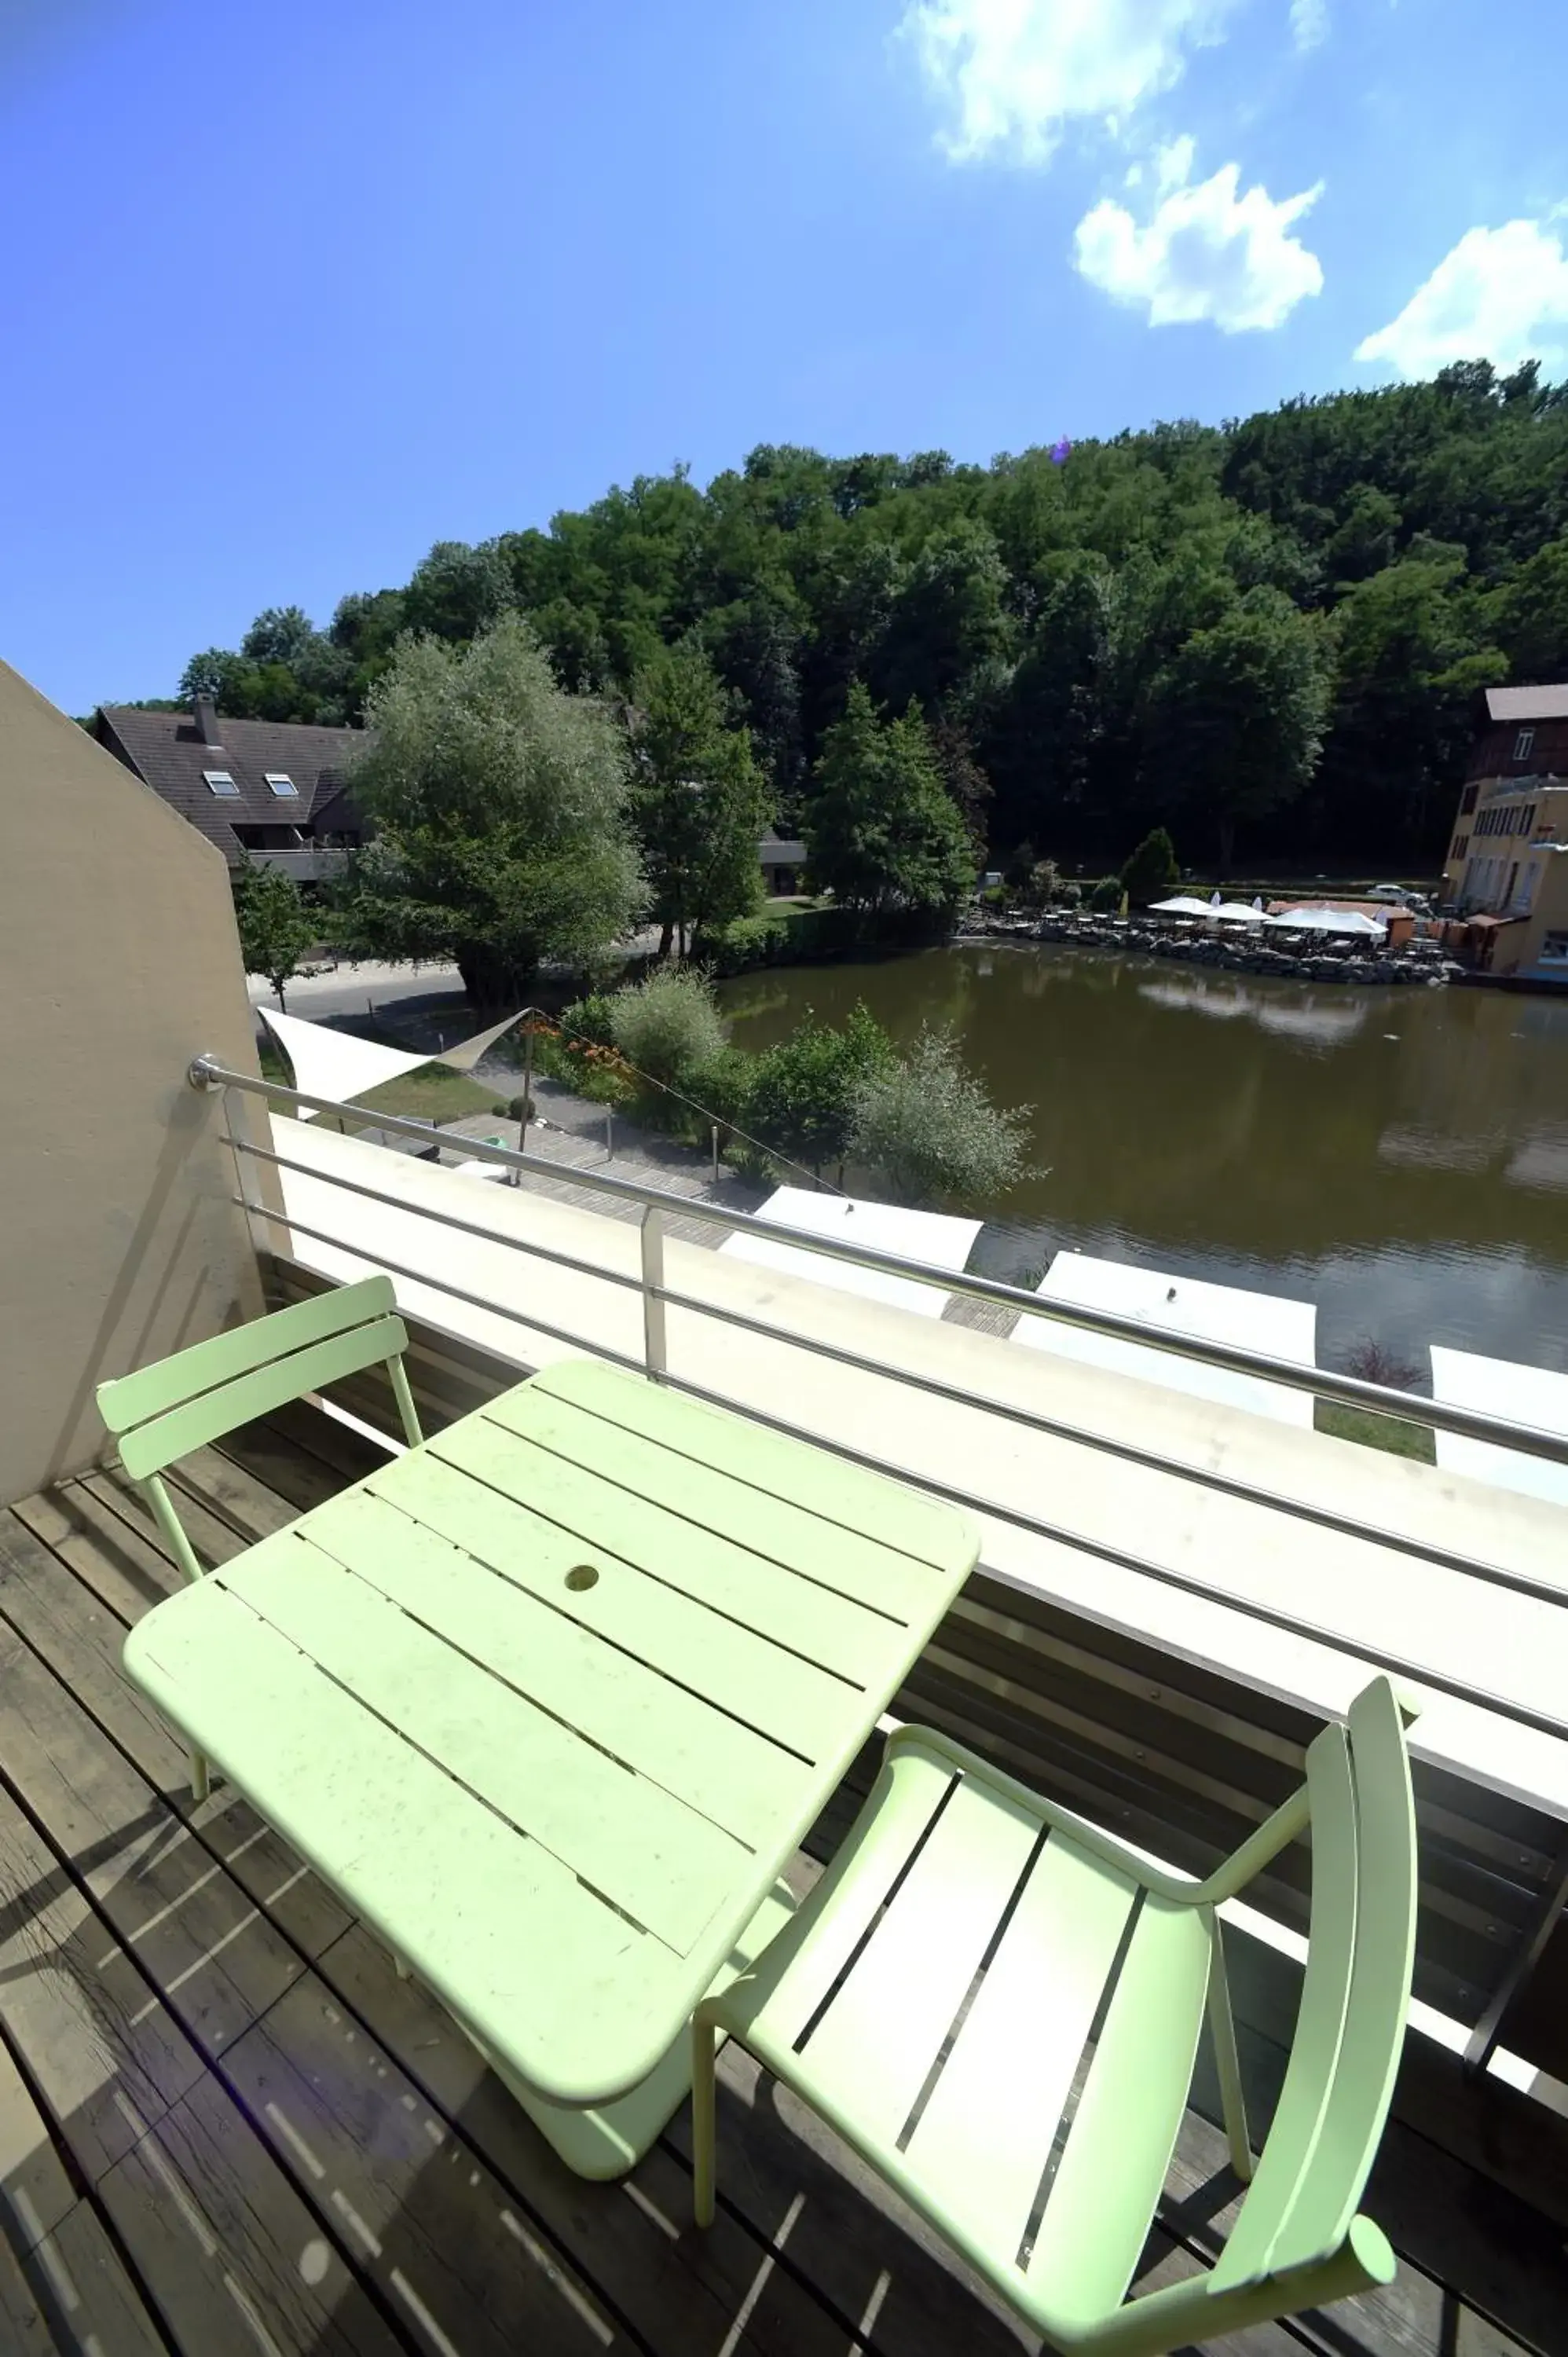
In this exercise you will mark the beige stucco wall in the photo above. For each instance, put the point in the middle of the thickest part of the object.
(118, 963)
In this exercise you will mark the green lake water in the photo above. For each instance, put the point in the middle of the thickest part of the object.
(1398, 1156)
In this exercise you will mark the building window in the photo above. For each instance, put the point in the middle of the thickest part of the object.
(1461, 846)
(1555, 949)
(282, 784)
(218, 782)
(1467, 801)
(1522, 744)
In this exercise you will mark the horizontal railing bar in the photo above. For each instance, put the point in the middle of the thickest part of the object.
(1544, 1591)
(1347, 1391)
(1293, 1624)
(446, 1219)
(1051, 1427)
(443, 1284)
(1397, 1664)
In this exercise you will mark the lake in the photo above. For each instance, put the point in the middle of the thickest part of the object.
(1398, 1156)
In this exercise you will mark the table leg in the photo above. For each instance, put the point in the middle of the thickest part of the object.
(611, 2139)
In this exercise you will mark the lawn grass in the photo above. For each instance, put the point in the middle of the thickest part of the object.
(432, 1093)
(1391, 1433)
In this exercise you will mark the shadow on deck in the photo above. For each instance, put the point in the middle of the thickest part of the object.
(226, 2124)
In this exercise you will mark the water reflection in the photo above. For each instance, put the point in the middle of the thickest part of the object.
(1320, 1017)
(1398, 1156)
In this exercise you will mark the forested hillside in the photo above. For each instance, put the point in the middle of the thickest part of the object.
(1272, 630)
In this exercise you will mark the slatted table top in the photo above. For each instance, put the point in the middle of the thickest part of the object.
(551, 1699)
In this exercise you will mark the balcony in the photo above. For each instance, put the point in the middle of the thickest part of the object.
(304, 867)
(229, 2123)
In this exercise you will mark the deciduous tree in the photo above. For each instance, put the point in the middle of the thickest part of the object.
(881, 830)
(699, 803)
(275, 927)
(499, 803)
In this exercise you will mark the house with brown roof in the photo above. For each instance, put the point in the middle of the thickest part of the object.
(275, 792)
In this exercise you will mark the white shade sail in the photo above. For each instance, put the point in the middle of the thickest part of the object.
(328, 1063)
(1181, 1305)
(932, 1236)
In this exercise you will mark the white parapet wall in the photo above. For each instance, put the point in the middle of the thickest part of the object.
(1178, 1305)
(1134, 1545)
(935, 1237)
(1532, 1395)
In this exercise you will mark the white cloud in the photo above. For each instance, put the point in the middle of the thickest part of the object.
(1309, 22)
(1205, 253)
(1013, 73)
(1500, 294)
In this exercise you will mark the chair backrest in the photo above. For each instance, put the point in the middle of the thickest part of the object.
(162, 1412)
(1340, 2077)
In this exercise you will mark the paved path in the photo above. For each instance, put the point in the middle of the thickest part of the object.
(428, 1009)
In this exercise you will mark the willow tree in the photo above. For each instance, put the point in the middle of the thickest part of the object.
(499, 809)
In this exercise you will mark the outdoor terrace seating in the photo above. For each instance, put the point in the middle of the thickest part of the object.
(226, 2115)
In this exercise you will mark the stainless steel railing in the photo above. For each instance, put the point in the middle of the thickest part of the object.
(1349, 1390)
(656, 1205)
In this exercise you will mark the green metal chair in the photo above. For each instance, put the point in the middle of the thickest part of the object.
(165, 1411)
(999, 2006)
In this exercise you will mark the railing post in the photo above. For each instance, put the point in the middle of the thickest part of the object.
(515, 1176)
(653, 1355)
(609, 1134)
(242, 1126)
(714, 1131)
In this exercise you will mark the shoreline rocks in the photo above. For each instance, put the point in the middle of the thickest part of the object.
(1232, 950)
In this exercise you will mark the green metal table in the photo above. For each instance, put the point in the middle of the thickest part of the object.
(551, 1700)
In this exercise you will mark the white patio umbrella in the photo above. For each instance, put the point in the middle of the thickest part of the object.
(1184, 905)
(1321, 919)
(1236, 912)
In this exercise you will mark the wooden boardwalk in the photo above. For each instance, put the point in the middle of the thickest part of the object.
(227, 2126)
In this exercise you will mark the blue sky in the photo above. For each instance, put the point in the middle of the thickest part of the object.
(292, 291)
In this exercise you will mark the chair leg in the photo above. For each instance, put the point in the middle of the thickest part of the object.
(1228, 2063)
(201, 1777)
(704, 2039)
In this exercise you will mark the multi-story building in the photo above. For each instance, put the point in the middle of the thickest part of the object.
(1506, 869)
(273, 792)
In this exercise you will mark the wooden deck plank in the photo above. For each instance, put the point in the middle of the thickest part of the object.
(87, 2295)
(75, 2010)
(433, 2229)
(807, 2247)
(215, 1540)
(67, 1625)
(34, 2191)
(215, 1955)
(24, 2328)
(303, 1454)
(231, 1492)
(678, 2289)
(231, 2255)
(126, 1571)
(1478, 2271)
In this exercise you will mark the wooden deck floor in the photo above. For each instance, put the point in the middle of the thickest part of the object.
(226, 2124)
